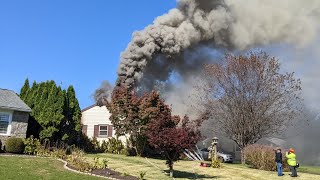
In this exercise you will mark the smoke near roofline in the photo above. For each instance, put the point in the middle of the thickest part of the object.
(103, 94)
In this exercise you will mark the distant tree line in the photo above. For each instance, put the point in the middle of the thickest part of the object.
(56, 113)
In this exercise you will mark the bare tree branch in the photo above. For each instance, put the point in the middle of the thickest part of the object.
(248, 98)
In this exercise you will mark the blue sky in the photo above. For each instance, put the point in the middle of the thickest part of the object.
(74, 42)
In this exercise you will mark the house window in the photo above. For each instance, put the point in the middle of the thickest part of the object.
(4, 123)
(103, 130)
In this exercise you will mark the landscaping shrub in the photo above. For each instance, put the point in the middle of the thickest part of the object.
(96, 145)
(100, 164)
(14, 145)
(69, 149)
(104, 146)
(262, 157)
(85, 143)
(78, 161)
(115, 146)
(59, 153)
(43, 152)
(32, 145)
(103, 164)
(131, 152)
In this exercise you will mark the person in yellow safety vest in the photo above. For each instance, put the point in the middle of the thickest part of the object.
(292, 162)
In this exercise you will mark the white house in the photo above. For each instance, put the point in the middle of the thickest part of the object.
(96, 123)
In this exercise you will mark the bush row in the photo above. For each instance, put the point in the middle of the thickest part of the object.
(262, 157)
(113, 145)
(32, 146)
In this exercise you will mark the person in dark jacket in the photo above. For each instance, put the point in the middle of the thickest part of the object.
(278, 160)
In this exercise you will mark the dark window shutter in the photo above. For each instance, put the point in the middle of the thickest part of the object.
(110, 130)
(84, 129)
(96, 131)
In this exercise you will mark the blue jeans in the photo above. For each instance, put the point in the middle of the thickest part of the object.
(279, 167)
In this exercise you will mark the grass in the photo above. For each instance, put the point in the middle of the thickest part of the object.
(27, 168)
(310, 169)
(155, 168)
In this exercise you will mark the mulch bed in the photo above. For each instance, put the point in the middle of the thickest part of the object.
(109, 173)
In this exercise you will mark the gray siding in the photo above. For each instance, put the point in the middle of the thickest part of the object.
(19, 126)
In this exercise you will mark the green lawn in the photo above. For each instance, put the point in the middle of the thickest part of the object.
(310, 169)
(25, 168)
(192, 170)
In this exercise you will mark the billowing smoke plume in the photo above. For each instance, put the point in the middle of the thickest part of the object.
(103, 94)
(305, 62)
(230, 24)
(305, 139)
(170, 52)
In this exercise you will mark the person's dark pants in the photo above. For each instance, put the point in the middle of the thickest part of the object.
(293, 171)
(279, 168)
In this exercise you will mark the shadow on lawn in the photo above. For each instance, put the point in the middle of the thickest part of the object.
(189, 175)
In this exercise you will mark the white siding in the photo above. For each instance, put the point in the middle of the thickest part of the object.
(95, 116)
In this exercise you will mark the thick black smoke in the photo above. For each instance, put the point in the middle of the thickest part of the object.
(103, 94)
(229, 24)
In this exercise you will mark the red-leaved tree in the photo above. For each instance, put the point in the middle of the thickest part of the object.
(149, 122)
(170, 135)
(131, 114)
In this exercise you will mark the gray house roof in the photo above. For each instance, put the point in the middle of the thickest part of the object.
(273, 141)
(10, 100)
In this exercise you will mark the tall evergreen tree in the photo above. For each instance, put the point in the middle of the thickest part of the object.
(52, 112)
(25, 88)
(55, 112)
(70, 127)
(27, 97)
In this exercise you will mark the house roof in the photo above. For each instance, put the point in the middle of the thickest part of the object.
(276, 141)
(89, 107)
(11, 101)
(92, 106)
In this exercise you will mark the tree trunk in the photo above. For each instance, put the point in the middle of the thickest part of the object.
(243, 157)
(140, 145)
(170, 164)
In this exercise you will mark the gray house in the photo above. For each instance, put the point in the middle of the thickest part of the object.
(14, 115)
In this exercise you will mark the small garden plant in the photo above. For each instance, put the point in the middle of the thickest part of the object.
(100, 164)
(142, 175)
(32, 145)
